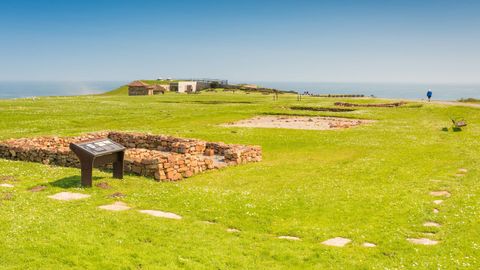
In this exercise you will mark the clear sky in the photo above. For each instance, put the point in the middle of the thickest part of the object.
(325, 41)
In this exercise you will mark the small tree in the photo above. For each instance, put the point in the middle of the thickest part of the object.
(214, 85)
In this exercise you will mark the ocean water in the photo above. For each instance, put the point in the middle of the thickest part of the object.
(12, 89)
(382, 90)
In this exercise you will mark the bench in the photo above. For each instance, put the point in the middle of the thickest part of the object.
(459, 123)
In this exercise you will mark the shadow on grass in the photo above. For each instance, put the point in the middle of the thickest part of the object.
(454, 129)
(70, 182)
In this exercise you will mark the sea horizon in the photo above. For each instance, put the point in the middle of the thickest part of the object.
(451, 91)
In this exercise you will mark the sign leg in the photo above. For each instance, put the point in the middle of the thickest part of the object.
(87, 168)
(118, 166)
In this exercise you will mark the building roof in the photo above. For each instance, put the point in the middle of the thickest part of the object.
(137, 83)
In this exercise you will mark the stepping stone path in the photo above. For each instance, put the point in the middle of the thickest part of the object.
(438, 202)
(37, 189)
(6, 185)
(286, 237)
(422, 241)
(68, 196)
(369, 245)
(436, 211)
(116, 206)
(440, 193)
(431, 224)
(337, 242)
(162, 214)
(233, 230)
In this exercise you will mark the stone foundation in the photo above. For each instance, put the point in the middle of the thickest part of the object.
(158, 156)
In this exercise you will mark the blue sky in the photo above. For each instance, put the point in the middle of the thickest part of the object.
(325, 41)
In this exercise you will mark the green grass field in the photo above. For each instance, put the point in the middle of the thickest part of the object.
(370, 184)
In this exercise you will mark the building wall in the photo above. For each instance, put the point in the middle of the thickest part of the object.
(137, 91)
(165, 86)
(185, 87)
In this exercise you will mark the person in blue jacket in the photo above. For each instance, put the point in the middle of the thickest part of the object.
(429, 94)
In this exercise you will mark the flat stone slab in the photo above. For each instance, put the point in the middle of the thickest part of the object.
(68, 196)
(162, 214)
(369, 245)
(438, 202)
(422, 241)
(116, 206)
(337, 242)
(440, 193)
(462, 170)
(233, 230)
(287, 237)
(7, 185)
(431, 224)
(436, 211)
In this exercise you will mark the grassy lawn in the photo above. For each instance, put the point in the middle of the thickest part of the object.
(370, 184)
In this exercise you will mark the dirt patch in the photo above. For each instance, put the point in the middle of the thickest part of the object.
(321, 109)
(7, 196)
(117, 195)
(8, 178)
(7, 185)
(103, 185)
(297, 122)
(37, 189)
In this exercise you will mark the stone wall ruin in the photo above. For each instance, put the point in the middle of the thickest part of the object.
(164, 158)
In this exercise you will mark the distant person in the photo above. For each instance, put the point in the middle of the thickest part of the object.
(429, 94)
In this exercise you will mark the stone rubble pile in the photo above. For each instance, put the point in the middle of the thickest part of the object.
(381, 105)
(162, 157)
